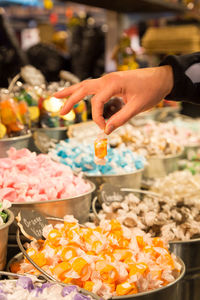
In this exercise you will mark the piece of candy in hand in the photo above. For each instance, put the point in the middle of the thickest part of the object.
(100, 149)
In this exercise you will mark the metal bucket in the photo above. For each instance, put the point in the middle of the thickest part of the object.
(129, 180)
(4, 238)
(190, 151)
(57, 133)
(190, 287)
(161, 166)
(78, 206)
(18, 142)
(189, 252)
(171, 291)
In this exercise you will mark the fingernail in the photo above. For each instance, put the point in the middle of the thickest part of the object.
(109, 129)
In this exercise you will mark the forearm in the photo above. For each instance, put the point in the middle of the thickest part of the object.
(186, 73)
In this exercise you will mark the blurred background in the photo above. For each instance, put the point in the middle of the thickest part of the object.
(89, 40)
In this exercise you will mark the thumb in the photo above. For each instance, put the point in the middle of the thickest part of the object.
(121, 117)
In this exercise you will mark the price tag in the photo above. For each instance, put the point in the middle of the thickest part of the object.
(110, 193)
(31, 224)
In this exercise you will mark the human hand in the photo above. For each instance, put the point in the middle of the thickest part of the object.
(140, 90)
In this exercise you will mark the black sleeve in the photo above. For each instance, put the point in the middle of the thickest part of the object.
(186, 71)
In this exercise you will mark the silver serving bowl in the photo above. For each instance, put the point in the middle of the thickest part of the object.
(189, 251)
(171, 291)
(57, 133)
(161, 166)
(78, 206)
(190, 151)
(128, 180)
(18, 142)
(4, 238)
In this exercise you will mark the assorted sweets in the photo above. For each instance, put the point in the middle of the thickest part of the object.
(27, 177)
(172, 215)
(14, 117)
(81, 156)
(28, 107)
(108, 260)
(26, 288)
(155, 139)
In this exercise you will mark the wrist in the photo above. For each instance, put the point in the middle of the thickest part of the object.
(168, 79)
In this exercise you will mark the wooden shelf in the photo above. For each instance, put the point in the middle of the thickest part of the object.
(131, 6)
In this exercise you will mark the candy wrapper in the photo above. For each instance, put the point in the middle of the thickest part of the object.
(100, 149)
(109, 260)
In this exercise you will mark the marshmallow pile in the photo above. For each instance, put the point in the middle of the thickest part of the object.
(27, 177)
(80, 157)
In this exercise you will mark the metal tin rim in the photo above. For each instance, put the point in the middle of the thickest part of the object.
(50, 129)
(10, 219)
(115, 175)
(185, 242)
(20, 256)
(93, 187)
(17, 138)
(166, 156)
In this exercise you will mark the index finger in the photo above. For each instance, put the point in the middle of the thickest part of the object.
(67, 91)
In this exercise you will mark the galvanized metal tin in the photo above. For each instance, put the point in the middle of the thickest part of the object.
(17, 142)
(189, 252)
(4, 238)
(78, 206)
(128, 180)
(161, 166)
(57, 133)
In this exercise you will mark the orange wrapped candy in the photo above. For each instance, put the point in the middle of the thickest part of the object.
(100, 149)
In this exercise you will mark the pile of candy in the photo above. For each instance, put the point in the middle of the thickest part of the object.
(33, 106)
(26, 289)
(80, 157)
(25, 176)
(152, 139)
(108, 260)
(188, 129)
(14, 117)
(169, 217)
(179, 205)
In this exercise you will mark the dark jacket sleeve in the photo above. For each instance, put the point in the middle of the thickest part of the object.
(186, 71)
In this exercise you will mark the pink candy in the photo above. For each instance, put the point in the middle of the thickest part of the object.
(25, 176)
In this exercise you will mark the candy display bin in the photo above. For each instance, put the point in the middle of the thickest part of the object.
(4, 238)
(78, 206)
(57, 133)
(171, 291)
(19, 142)
(128, 180)
(189, 251)
(161, 166)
